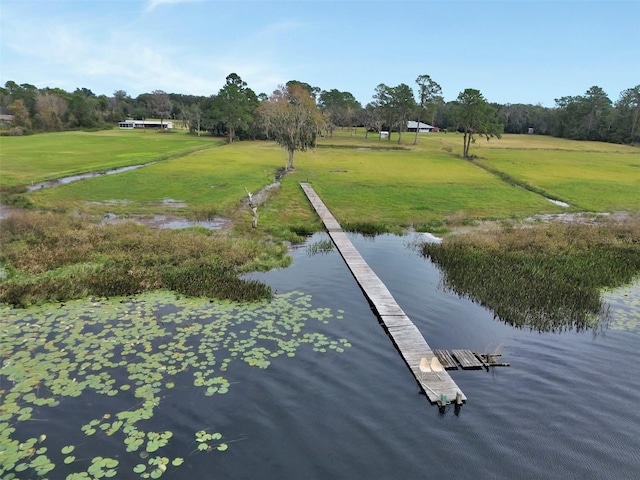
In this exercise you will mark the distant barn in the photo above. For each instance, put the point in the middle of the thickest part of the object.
(422, 127)
(131, 124)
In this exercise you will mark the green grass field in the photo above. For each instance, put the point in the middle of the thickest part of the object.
(47, 156)
(588, 180)
(361, 180)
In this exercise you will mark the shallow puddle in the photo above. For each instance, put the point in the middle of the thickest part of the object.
(170, 222)
(83, 176)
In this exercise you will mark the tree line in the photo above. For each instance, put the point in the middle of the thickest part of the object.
(237, 112)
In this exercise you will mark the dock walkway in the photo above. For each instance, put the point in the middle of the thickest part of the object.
(436, 383)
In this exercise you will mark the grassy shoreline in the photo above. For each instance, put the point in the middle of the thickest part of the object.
(370, 185)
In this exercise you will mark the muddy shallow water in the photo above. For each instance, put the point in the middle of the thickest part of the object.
(170, 222)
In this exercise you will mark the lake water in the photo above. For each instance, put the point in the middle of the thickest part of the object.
(567, 407)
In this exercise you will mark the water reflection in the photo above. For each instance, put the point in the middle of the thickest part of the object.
(515, 295)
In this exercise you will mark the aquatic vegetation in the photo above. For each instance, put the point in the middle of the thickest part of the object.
(548, 277)
(135, 349)
(320, 247)
(624, 307)
(50, 257)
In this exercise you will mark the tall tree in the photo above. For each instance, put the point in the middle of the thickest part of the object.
(394, 105)
(292, 119)
(371, 119)
(628, 108)
(119, 105)
(383, 103)
(50, 109)
(313, 91)
(20, 114)
(340, 108)
(403, 103)
(429, 91)
(598, 107)
(475, 116)
(25, 92)
(83, 109)
(232, 105)
(160, 105)
(584, 117)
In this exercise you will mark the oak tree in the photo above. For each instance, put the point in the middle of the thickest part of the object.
(291, 118)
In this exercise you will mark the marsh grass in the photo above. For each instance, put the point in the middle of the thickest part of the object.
(547, 277)
(52, 257)
(320, 247)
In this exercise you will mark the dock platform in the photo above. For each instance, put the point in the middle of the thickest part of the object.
(430, 374)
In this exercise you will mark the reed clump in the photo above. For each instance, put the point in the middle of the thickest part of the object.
(547, 277)
(52, 257)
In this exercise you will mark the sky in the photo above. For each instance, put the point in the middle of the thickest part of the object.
(513, 51)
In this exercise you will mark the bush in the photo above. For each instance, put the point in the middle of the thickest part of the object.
(16, 131)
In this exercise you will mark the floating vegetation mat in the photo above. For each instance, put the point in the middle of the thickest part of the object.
(65, 360)
(624, 307)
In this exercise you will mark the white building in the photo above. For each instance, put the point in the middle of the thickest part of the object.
(423, 127)
(131, 124)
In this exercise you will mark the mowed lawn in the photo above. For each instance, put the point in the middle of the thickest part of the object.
(46, 156)
(588, 180)
(591, 176)
(211, 181)
(361, 180)
(407, 187)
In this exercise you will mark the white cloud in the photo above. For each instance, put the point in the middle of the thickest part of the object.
(152, 4)
(104, 56)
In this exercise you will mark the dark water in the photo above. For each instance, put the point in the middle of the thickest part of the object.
(568, 407)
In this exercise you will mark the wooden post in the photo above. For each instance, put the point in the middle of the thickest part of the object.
(254, 209)
(254, 222)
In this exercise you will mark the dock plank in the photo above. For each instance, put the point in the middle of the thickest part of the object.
(447, 361)
(406, 337)
(467, 359)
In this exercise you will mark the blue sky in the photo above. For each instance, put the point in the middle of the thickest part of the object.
(513, 51)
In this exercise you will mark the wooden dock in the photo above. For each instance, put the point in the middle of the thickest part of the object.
(430, 374)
